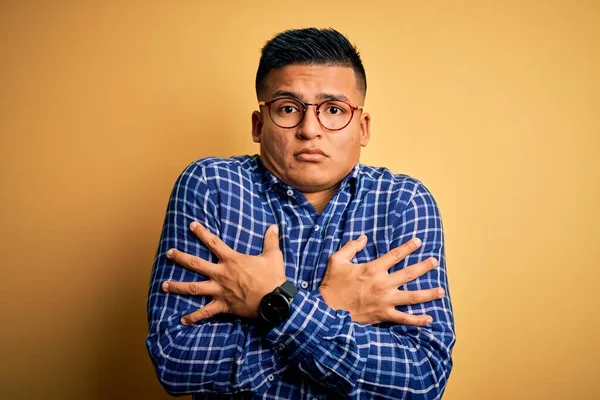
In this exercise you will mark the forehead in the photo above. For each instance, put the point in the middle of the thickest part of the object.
(310, 82)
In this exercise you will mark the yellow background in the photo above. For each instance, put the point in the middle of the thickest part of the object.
(492, 104)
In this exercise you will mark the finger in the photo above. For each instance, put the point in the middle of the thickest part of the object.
(349, 250)
(398, 254)
(191, 262)
(413, 272)
(271, 239)
(213, 308)
(213, 242)
(401, 318)
(411, 297)
(206, 288)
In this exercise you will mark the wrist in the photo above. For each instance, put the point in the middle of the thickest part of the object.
(275, 307)
(328, 298)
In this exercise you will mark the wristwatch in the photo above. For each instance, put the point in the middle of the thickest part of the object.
(275, 306)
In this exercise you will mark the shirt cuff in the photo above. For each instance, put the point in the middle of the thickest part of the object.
(309, 321)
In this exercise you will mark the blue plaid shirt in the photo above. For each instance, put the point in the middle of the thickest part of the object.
(318, 353)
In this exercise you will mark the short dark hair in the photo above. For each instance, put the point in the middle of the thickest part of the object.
(309, 46)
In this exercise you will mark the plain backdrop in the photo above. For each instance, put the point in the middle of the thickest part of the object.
(492, 104)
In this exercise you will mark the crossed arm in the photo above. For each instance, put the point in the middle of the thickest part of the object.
(407, 358)
(367, 291)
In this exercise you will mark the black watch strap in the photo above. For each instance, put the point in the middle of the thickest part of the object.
(288, 289)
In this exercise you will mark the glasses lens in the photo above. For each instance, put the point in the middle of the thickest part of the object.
(335, 114)
(286, 112)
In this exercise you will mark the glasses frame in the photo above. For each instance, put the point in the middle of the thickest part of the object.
(305, 107)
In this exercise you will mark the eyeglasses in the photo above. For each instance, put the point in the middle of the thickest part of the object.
(288, 112)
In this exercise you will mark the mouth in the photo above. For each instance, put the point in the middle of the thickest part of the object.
(312, 151)
(312, 155)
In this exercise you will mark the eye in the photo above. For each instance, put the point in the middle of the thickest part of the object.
(335, 109)
(287, 109)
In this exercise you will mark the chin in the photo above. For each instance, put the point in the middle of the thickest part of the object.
(312, 184)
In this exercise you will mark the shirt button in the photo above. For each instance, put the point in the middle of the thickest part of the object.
(303, 284)
(317, 227)
(281, 347)
(290, 192)
(270, 378)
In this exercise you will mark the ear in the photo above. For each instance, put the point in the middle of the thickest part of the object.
(257, 125)
(365, 129)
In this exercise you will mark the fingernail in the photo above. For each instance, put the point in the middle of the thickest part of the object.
(417, 241)
(429, 320)
(441, 292)
(275, 228)
(434, 262)
(165, 286)
(362, 238)
(184, 321)
(193, 225)
(170, 253)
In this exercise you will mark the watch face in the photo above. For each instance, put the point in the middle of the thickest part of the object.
(274, 308)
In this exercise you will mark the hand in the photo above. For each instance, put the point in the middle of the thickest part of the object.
(237, 283)
(369, 292)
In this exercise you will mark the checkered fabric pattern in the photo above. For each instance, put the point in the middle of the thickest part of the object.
(318, 353)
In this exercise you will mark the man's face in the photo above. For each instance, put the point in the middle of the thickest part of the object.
(292, 154)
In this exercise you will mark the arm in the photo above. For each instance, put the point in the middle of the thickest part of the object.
(387, 360)
(217, 355)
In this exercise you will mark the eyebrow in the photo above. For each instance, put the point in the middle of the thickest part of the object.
(320, 96)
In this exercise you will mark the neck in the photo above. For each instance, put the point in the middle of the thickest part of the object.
(319, 200)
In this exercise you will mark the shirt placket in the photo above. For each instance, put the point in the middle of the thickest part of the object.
(291, 219)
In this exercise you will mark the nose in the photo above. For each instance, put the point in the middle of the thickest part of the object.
(310, 127)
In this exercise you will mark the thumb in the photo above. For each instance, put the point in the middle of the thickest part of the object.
(213, 308)
(271, 239)
(352, 247)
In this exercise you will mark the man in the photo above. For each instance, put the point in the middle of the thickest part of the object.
(346, 297)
